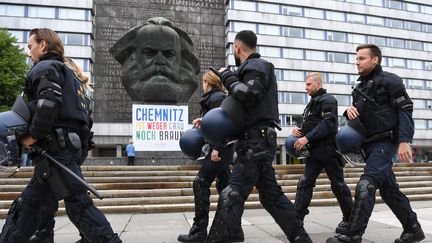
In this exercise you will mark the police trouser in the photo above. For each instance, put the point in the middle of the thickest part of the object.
(48, 211)
(25, 214)
(334, 171)
(245, 175)
(378, 174)
(209, 171)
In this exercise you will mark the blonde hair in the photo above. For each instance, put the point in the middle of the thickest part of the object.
(213, 80)
(316, 76)
(78, 72)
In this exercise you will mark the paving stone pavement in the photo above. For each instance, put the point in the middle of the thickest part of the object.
(258, 225)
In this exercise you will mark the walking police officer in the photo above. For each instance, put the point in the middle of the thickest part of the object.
(215, 165)
(254, 86)
(381, 103)
(60, 125)
(318, 131)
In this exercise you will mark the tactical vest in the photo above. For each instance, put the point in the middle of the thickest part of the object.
(377, 111)
(265, 111)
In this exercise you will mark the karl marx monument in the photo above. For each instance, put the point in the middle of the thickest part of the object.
(159, 63)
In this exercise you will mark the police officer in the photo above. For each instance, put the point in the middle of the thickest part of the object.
(383, 106)
(59, 118)
(318, 131)
(254, 86)
(215, 165)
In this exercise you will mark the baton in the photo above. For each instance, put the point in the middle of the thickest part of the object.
(215, 71)
(39, 150)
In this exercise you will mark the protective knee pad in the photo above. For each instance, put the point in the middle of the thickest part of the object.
(10, 231)
(305, 183)
(303, 196)
(365, 189)
(229, 197)
(89, 220)
(200, 182)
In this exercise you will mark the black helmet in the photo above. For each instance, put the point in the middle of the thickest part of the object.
(191, 143)
(350, 137)
(289, 145)
(12, 128)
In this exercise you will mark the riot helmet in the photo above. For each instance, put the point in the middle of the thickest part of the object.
(350, 137)
(12, 128)
(223, 124)
(289, 146)
(191, 143)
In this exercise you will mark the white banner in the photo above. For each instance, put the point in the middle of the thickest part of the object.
(158, 127)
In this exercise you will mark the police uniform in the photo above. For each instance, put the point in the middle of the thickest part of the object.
(59, 117)
(320, 125)
(254, 86)
(386, 111)
(208, 172)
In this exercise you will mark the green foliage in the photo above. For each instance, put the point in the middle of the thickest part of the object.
(13, 69)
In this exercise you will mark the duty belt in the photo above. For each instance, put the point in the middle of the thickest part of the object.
(255, 133)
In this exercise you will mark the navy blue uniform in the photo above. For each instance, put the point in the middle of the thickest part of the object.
(58, 130)
(320, 124)
(387, 116)
(209, 171)
(256, 150)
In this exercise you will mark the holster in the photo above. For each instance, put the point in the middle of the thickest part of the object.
(46, 172)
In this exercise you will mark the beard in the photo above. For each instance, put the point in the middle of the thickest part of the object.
(237, 60)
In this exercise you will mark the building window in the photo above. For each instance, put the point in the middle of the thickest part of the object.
(336, 57)
(416, 45)
(333, 15)
(427, 28)
(268, 8)
(343, 99)
(41, 12)
(356, 18)
(244, 5)
(314, 13)
(292, 32)
(426, 9)
(420, 123)
(428, 65)
(297, 98)
(336, 36)
(19, 35)
(293, 11)
(396, 43)
(414, 64)
(379, 41)
(411, 7)
(269, 51)
(428, 104)
(415, 84)
(356, 1)
(12, 10)
(315, 34)
(357, 39)
(337, 78)
(84, 63)
(269, 29)
(75, 39)
(428, 46)
(378, 3)
(67, 13)
(239, 26)
(396, 62)
(394, 4)
(419, 104)
(293, 75)
(378, 21)
(352, 78)
(416, 26)
(394, 23)
(315, 55)
(428, 85)
(278, 74)
(292, 53)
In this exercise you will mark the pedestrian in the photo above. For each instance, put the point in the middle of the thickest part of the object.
(254, 86)
(59, 115)
(384, 108)
(318, 133)
(215, 165)
(130, 152)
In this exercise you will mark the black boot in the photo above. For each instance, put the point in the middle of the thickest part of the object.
(342, 227)
(302, 238)
(344, 239)
(196, 234)
(43, 236)
(237, 236)
(415, 234)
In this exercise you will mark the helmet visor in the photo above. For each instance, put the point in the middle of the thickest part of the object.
(4, 157)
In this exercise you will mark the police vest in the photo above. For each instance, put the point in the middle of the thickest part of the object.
(265, 111)
(377, 111)
(75, 106)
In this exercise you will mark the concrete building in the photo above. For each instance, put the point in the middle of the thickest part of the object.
(303, 36)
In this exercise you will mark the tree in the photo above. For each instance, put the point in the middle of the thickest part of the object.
(13, 68)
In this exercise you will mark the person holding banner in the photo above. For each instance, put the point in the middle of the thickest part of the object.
(215, 165)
